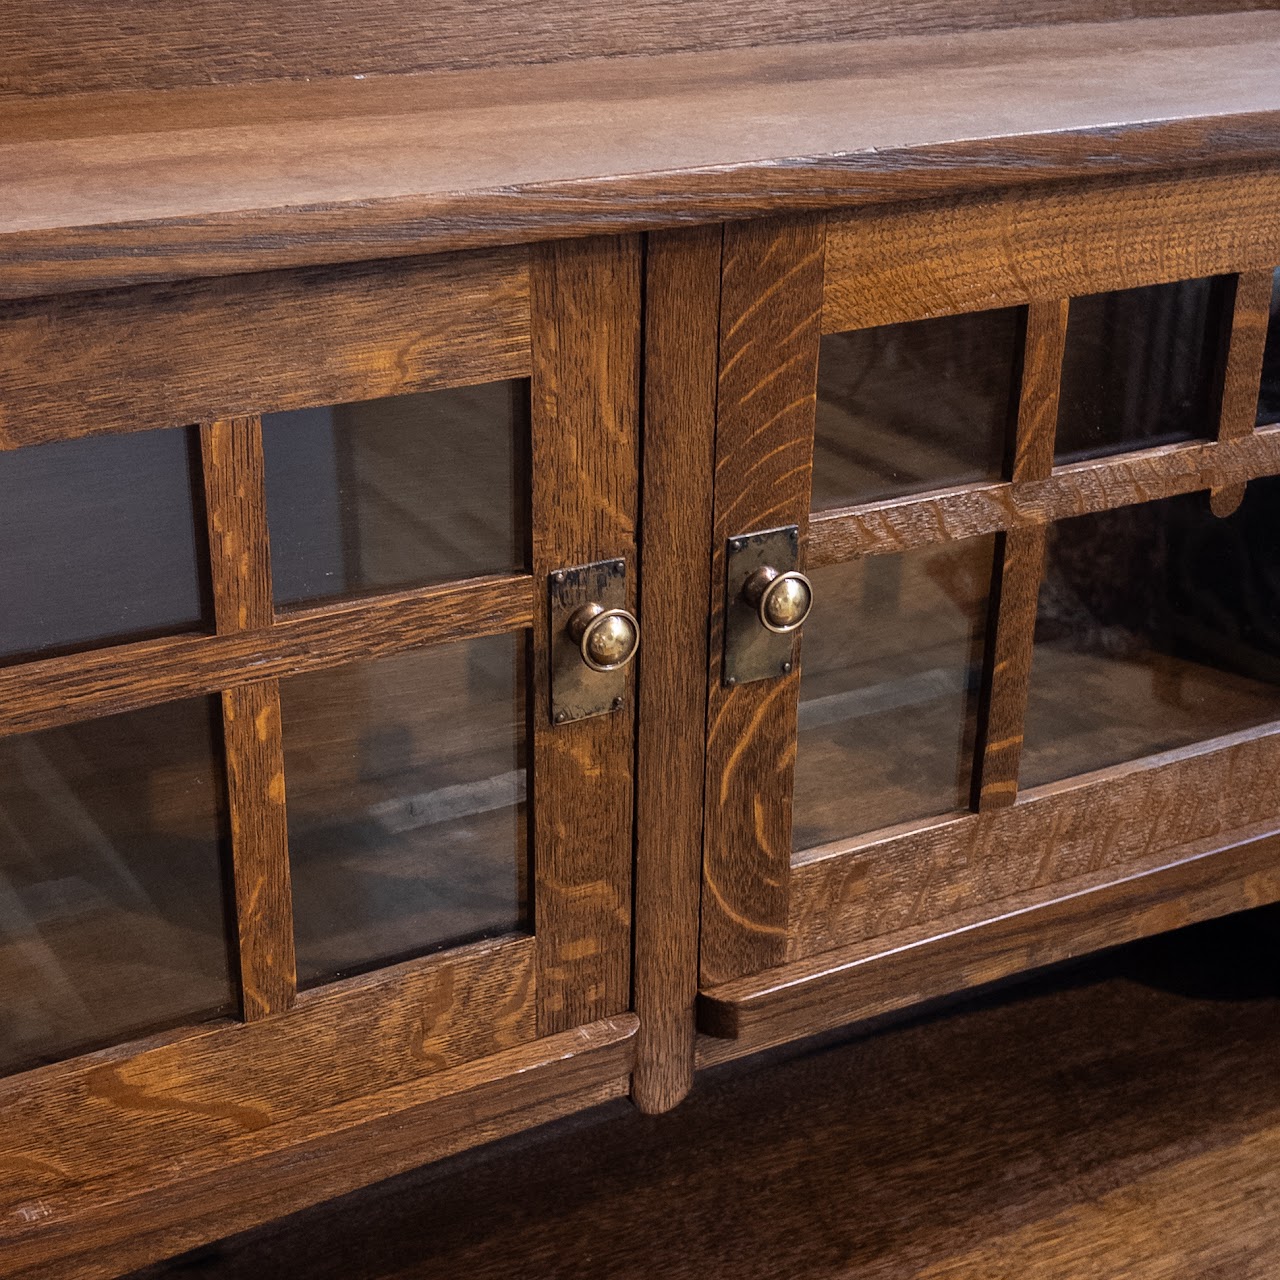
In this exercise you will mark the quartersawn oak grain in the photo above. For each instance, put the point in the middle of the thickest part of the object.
(868, 980)
(118, 1115)
(272, 176)
(770, 309)
(1099, 484)
(1006, 248)
(586, 459)
(682, 281)
(99, 1228)
(1242, 371)
(1113, 818)
(168, 355)
(103, 682)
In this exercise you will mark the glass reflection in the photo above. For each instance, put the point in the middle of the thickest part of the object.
(405, 782)
(914, 406)
(113, 918)
(398, 492)
(891, 662)
(1158, 626)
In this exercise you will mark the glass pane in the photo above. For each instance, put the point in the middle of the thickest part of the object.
(399, 492)
(1269, 395)
(99, 542)
(1139, 368)
(892, 662)
(405, 785)
(113, 920)
(1158, 626)
(913, 406)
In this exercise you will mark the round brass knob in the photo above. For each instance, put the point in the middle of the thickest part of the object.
(606, 638)
(782, 600)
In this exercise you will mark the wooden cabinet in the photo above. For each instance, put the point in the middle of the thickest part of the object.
(319, 402)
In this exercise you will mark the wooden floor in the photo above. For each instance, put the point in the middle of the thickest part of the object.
(1117, 1119)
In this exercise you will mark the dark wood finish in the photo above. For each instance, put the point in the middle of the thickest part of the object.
(1249, 315)
(165, 356)
(586, 380)
(147, 46)
(1005, 248)
(110, 1114)
(682, 282)
(897, 879)
(1018, 565)
(1007, 670)
(769, 320)
(259, 848)
(236, 510)
(1098, 484)
(838, 987)
(340, 170)
(93, 1231)
(36, 695)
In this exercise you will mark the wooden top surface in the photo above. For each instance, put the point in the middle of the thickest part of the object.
(116, 188)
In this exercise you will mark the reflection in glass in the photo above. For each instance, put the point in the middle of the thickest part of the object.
(913, 406)
(1269, 394)
(892, 662)
(398, 492)
(405, 787)
(1158, 626)
(99, 541)
(112, 897)
(1139, 368)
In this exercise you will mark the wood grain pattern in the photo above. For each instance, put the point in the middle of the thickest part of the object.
(769, 332)
(586, 391)
(864, 981)
(164, 356)
(236, 512)
(1007, 667)
(259, 848)
(125, 1113)
(1019, 562)
(91, 1232)
(682, 274)
(133, 45)
(1004, 249)
(103, 682)
(1246, 339)
(1098, 484)
(215, 181)
(898, 879)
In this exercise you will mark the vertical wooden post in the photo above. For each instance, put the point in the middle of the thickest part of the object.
(240, 563)
(682, 273)
(1019, 562)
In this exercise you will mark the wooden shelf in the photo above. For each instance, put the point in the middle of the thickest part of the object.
(111, 189)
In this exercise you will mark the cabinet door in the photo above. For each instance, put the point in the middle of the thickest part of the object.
(292, 849)
(1012, 441)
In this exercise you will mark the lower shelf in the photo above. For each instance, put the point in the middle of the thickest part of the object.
(884, 974)
(98, 1230)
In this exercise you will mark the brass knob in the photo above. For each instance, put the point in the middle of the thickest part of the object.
(606, 638)
(782, 600)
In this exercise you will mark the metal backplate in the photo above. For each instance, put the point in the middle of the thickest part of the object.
(576, 690)
(751, 650)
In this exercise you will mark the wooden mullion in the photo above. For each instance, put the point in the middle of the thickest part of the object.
(1076, 489)
(240, 571)
(770, 323)
(1249, 314)
(1019, 560)
(103, 682)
